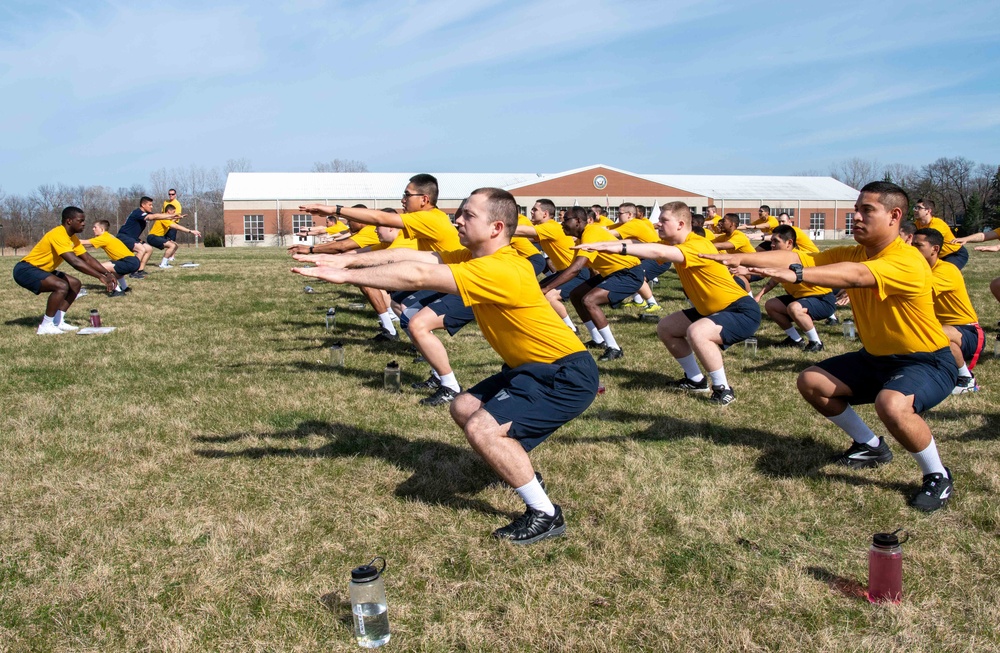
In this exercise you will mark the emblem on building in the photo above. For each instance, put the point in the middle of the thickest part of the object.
(600, 182)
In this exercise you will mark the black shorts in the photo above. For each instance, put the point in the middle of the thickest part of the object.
(159, 242)
(538, 398)
(126, 265)
(30, 277)
(819, 307)
(739, 321)
(456, 314)
(928, 376)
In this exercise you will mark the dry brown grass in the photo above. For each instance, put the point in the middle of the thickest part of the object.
(199, 481)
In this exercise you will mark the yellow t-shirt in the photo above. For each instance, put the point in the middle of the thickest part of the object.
(114, 248)
(605, 221)
(951, 299)
(399, 242)
(713, 224)
(896, 316)
(173, 203)
(739, 240)
(800, 290)
(432, 230)
(709, 284)
(47, 253)
(804, 243)
(947, 249)
(604, 263)
(765, 224)
(639, 229)
(522, 245)
(513, 315)
(336, 228)
(556, 244)
(366, 236)
(161, 227)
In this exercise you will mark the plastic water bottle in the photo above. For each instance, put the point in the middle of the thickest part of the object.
(331, 318)
(996, 346)
(95, 318)
(368, 605)
(849, 332)
(750, 345)
(885, 567)
(391, 377)
(337, 355)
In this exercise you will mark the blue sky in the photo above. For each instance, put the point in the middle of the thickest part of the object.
(105, 93)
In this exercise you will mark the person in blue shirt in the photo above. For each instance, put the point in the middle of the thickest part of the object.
(130, 233)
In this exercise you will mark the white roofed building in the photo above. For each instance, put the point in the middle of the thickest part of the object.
(262, 208)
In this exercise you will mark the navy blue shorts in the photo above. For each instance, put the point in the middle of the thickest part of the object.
(959, 258)
(928, 377)
(172, 234)
(159, 242)
(819, 307)
(413, 301)
(739, 321)
(973, 340)
(456, 314)
(538, 398)
(126, 265)
(129, 241)
(653, 268)
(30, 277)
(537, 263)
(621, 285)
(568, 287)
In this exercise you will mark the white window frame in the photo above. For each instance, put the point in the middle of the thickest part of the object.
(849, 224)
(253, 228)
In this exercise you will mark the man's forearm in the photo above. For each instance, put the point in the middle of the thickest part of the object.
(387, 256)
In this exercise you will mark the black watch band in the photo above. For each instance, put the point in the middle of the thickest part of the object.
(338, 210)
(310, 249)
(624, 248)
(797, 269)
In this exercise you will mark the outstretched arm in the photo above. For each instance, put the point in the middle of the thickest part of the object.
(393, 276)
(370, 259)
(834, 275)
(365, 216)
(977, 238)
(772, 259)
(656, 251)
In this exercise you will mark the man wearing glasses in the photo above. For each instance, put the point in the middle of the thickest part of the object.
(952, 251)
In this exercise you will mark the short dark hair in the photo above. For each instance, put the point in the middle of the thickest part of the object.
(172, 189)
(785, 232)
(597, 208)
(144, 199)
(697, 220)
(626, 205)
(390, 210)
(592, 215)
(928, 203)
(933, 236)
(501, 205)
(548, 206)
(907, 227)
(170, 207)
(731, 217)
(105, 224)
(889, 194)
(427, 185)
(577, 212)
(71, 212)
(359, 206)
(765, 208)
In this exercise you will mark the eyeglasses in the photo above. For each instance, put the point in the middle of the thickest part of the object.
(920, 208)
(171, 194)
(409, 195)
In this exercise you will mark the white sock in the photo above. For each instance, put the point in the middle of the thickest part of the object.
(609, 339)
(812, 335)
(569, 322)
(46, 320)
(651, 301)
(655, 280)
(855, 427)
(638, 298)
(58, 318)
(793, 334)
(122, 283)
(929, 460)
(434, 372)
(449, 381)
(595, 335)
(719, 377)
(118, 287)
(964, 371)
(690, 366)
(385, 319)
(535, 498)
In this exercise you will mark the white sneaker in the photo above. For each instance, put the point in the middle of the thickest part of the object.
(49, 330)
(66, 326)
(162, 266)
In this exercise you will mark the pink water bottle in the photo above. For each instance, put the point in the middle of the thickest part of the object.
(885, 567)
(95, 318)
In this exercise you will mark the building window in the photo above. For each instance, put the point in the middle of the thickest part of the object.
(849, 224)
(817, 221)
(253, 228)
(778, 211)
(744, 218)
(301, 222)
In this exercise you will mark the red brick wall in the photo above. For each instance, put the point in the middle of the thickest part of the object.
(581, 184)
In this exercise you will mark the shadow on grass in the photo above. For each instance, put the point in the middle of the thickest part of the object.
(846, 587)
(441, 472)
(990, 430)
(23, 321)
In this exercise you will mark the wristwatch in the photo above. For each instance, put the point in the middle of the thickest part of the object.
(338, 210)
(310, 249)
(624, 247)
(797, 269)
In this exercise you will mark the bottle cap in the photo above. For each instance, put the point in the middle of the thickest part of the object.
(331, 311)
(367, 573)
(890, 539)
(337, 345)
(392, 365)
(93, 311)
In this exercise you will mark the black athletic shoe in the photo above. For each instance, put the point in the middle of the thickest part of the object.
(432, 383)
(443, 396)
(137, 275)
(533, 526)
(860, 455)
(813, 346)
(596, 345)
(687, 384)
(788, 342)
(611, 354)
(129, 289)
(722, 395)
(384, 336)
(419, 359)
(117, 293)
(934, 492)
(832, 320)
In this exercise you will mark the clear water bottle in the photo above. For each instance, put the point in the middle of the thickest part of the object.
(368, 605)
(885, 567)
(750, 345)
(391, 377)
(337, 355)
(849, 332)
(996, 346)
(331, 318)
(95, 318)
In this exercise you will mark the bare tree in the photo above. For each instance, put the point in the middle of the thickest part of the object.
(340, 165)
(239, 165)
(856, 172)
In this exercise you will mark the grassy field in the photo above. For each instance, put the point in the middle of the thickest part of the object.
(202, 480)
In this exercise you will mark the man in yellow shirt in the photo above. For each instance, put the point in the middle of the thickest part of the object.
(548, 378)
(614, 278)
(722, 314)
(905, 366)
(122, 262)
(953, 249)
(634, 229)
(601, 216)
(953, 309)
(802, 304)
(172, 201)
(37, 271)
(712, 218)
(730, 239)
(158, 236)
(802, 240)
(766, 223)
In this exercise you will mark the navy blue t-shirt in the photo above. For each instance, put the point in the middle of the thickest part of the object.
(134, 225)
